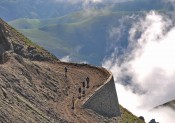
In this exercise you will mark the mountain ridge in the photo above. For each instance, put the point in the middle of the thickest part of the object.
(35, 89)
(23, 46)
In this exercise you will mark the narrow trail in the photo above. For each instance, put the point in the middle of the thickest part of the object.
(71, 114)
(75, 76)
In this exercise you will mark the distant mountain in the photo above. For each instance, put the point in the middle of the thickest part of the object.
(170, 104)
(42, 9)
(14, 9)
(85, 35)
(81, 37)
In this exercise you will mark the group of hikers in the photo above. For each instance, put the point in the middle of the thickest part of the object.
(81, 89)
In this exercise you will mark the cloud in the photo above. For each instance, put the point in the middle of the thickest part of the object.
(145, 73)
(66, 59)
(164, 114)
(131, 101)
(117, 32)
(74, 56)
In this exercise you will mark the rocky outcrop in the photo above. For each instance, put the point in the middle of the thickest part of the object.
(153, 121)
(5, 43)
(142, 118)
(12, 40)
(29, 52)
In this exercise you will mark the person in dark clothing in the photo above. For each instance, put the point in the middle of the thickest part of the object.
(83, 92)
(84, 85)
(87, 81)
(73, 102)
(65, 69)
(79, 95)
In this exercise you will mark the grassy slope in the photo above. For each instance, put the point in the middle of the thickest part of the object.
(79, 34)
(72, 31)
(48, 41)
(25, 23)
(128, 117)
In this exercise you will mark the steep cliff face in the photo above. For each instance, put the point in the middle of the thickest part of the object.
(34, 88)
(5, 45)
(12, 40)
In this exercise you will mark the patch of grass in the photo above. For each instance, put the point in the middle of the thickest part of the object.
(24, 23)
(128, 117)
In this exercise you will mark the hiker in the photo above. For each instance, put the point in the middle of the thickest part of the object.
(73, 102)
(87, 81)
(83, 92)
(84, 85)
(79, 95)
(65, 69)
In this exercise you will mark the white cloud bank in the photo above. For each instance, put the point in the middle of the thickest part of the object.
(149, 66)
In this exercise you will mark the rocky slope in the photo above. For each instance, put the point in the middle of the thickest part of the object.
(34, 89)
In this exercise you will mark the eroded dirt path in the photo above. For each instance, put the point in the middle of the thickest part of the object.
(75, 76)
(39, 91)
